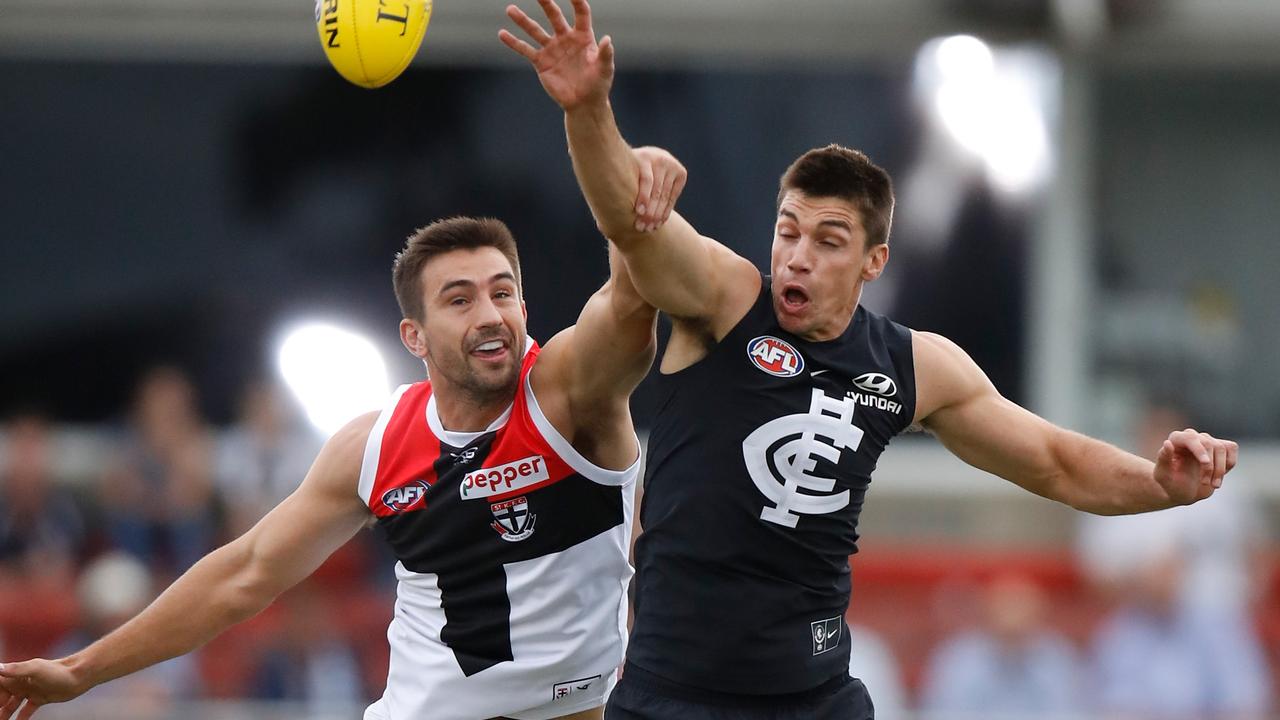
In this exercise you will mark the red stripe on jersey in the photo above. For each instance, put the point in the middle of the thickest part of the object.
(408, 448)
(520, 438)
(522, 425)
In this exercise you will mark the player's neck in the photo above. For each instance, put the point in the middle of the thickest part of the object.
(460, 411)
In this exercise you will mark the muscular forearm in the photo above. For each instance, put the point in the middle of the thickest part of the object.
(605, 168)
(625, 300)
(1102, 479)
(214, 594)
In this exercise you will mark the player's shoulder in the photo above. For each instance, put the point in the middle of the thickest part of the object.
(547, 366)
(932, 347)
(345, 448)
(945, 374)
(943, 365)
(740, 283)
(740, 280)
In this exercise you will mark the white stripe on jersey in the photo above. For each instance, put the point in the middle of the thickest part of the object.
(552, 642)
(373, 446)
(570, 455)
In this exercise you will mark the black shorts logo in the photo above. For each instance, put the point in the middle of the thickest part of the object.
(825, 634)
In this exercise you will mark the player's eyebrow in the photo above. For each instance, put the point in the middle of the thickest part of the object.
(829, 223)
(453, 284)
(463, 282)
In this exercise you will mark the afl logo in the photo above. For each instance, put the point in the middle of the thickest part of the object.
(877, 383)
(405, 498)
(774, 356)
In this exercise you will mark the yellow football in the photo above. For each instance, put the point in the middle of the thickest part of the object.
(370, 42)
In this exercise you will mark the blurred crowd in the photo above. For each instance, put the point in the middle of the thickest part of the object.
(1173, 616)
(79, 558)
(1180, 594)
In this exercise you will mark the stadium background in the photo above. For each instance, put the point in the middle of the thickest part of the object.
(1089, 210)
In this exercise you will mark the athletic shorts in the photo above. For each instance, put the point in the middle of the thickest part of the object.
(641, 695)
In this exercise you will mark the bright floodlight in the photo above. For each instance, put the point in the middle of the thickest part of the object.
(335, 374)
(963, 58)
(1017, 150)
(990, 105)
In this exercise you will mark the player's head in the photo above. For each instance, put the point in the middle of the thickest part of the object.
(458, 285)
(834, 211)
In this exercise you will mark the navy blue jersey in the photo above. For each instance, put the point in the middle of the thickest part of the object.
(757, 466)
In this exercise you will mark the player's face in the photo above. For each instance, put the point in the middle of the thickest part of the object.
(819, 263)
(474, 328)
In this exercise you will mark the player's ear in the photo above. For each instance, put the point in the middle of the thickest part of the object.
(874, 261)
(412, 337)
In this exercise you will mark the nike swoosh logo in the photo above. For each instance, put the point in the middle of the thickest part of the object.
(816, 373)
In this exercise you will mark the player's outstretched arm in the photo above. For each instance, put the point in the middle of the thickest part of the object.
(958, 404)
(585, 375)
(231, 584)
(683, 273)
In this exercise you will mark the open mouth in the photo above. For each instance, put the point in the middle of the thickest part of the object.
(490, 349)
(794, 298)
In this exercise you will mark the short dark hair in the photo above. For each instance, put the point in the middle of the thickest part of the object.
(835, 171)
(438, 238)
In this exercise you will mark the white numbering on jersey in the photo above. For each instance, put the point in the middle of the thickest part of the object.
(794, 460)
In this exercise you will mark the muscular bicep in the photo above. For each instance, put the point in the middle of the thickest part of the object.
(957, 403)
(292, 540)
(686, 274)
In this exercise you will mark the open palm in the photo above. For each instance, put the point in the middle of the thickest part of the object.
(573, 68)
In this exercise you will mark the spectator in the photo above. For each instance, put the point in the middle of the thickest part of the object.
(1184, 582)
(310, 662)
(1010, 667)
(873, 662)
(1145, 657)
(158, 499)
(42, 531)
(263, 458)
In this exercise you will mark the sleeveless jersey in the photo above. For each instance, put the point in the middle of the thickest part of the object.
(757, 465)
(512, 562)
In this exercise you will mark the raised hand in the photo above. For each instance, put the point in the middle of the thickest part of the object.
(662, 179)
(1191, 465)
(573, 68)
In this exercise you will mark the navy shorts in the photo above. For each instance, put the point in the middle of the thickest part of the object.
(641, 695)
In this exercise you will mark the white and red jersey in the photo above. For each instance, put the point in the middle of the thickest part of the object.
(512, 569)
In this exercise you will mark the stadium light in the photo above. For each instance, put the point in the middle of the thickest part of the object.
(990, 104)
(335, 374)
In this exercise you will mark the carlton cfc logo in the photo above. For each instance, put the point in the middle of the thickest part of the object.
(405, 498)
(775, 356)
